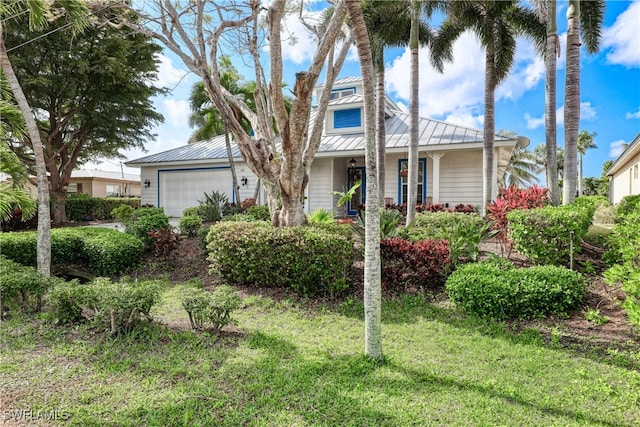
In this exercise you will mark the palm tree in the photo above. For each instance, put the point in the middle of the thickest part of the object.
(496, 24)
(586, 140)
(39, 11)
(583, 18)
(521, 170)
(541, 159)
(372, 274)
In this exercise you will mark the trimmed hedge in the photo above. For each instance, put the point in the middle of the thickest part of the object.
(81, 207)
(308, 260)
(406, 264)
(105, 251)
(145, 220)
(543, 235)
(498, 290)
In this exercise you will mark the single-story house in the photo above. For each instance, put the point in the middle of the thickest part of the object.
(450, 161)
(98, 183)
(623, 174)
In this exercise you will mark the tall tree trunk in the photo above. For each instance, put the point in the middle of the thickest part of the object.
(381, 134)
(59, 212)
(550, 62)
(372, 273)
(43, 249)
(412, 188)
(571, 103)
(489, 129)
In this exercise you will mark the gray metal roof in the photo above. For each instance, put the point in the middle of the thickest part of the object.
(344, 81)
(349, 99)
(432, 133)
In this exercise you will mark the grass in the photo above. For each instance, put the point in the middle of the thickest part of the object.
(292, 364)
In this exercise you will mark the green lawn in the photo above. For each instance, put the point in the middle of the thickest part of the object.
(291, 364)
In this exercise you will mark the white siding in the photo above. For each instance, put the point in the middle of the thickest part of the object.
(461, 177)
(320, 185)
(626, 181)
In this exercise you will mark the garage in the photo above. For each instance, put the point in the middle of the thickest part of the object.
(182, 188)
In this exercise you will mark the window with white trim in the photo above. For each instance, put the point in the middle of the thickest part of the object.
(403, 169)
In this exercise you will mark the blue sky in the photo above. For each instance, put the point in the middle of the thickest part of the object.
(610, 88)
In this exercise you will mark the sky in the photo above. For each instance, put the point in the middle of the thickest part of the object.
(610, 88)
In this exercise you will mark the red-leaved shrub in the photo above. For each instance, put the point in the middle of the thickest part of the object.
(407, 264)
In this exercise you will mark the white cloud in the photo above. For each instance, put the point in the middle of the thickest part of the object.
(635, 115)
(298, 44)
(176, 112)
(587, 112)
(460, 89)
(617, 147)
(465, 117)
(168, 75)
(622, 38)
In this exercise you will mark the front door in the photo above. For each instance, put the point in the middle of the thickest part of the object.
(353, 176)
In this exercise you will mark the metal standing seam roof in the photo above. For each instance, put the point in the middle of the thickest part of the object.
(432, 133)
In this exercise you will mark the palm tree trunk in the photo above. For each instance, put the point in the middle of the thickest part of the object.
(412, 188)
(550, 103)
(380, 129)
(571, 103)
(232, 164)
(372, 272)
(489, 129)
(43, 249)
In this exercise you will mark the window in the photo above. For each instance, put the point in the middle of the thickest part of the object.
(635, 172)
(404, 180)
(340, 93)
(113, 190)
(350, 118)
(73, 188)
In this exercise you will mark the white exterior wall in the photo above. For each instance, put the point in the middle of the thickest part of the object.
(461, 177)
(320, 185)
(626, 181)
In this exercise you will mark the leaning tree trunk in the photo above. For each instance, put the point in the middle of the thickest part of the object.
(43, 248)
(571, 103)
(550, 62)
(372, 273)
(489, 129)
(412, 188)
(232, 164)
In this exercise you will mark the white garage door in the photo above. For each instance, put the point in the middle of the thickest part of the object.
(181, 189)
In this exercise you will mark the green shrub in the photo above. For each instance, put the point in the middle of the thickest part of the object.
(111, 252)
(193, 211)
(67, 299)
(493, 289)
(189, 225)
(308, 260)
(624, 259)
(67, 245)
(19, 246)
(259, 212)
(123, 213)
(239, 217)
(202, 237)
(120, 306)
(21, 286)
(145, 220)
(212, 308)
(389, 220)
(212, 205)
(543, 235)
(628, 204)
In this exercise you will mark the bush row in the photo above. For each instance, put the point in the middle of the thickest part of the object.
(308, 260)
(495, 288)
(545, 235)
(104, 251)
(21, 286)
(82, 207)
(624, 255)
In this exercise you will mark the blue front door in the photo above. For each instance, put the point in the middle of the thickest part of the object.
(353, 176)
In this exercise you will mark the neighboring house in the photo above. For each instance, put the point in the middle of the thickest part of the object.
(97, 183)
(450, 161)
(624, 179)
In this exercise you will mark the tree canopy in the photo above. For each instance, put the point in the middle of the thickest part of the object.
(91, 93)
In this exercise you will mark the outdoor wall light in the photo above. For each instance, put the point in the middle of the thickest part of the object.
(244, 181)
(147, 183)
(352, 162)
